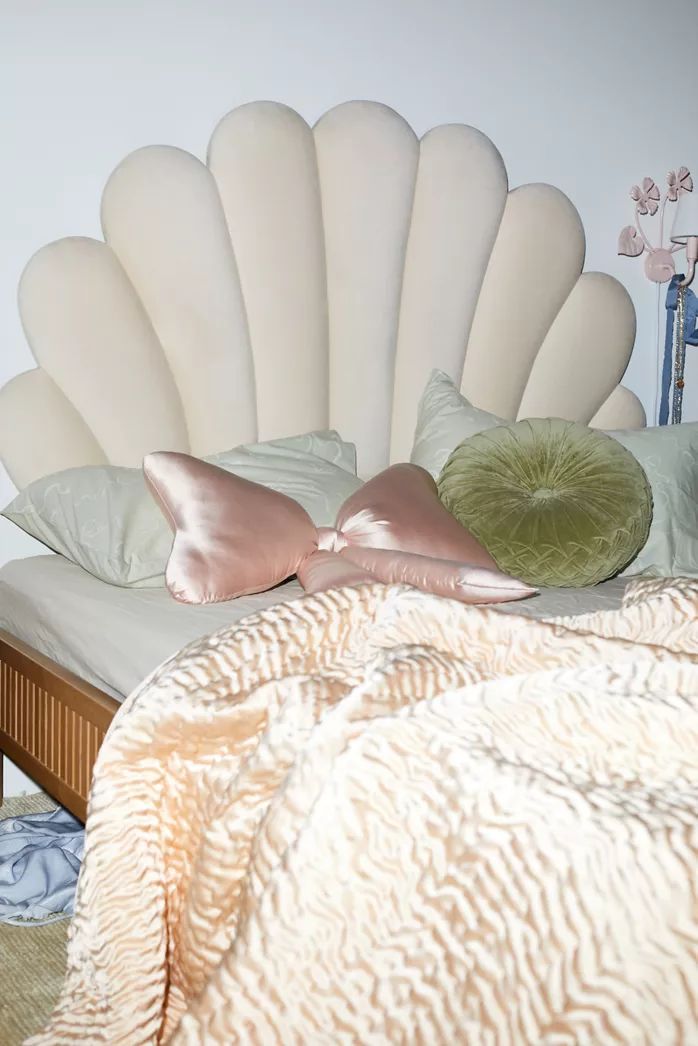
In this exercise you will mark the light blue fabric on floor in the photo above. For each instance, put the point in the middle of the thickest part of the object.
(40, 856)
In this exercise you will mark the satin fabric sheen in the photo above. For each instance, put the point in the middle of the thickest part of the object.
(441, 577)
(374, 816)
(406, 515)
(325, 570)
(234, 537)
(40, 857)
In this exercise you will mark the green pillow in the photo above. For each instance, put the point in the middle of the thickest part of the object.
(555, 502)
(668, 454)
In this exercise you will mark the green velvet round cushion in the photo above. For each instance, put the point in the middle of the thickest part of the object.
(555, 503)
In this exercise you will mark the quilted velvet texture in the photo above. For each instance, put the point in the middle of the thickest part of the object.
(554, 502)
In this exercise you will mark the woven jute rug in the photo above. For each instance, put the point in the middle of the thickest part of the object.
(32, 959)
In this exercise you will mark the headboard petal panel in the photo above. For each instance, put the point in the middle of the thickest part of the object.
(584, 353)
(367, 158)
(162, 217)
(89, 331)
(41, 431)
(306, 277)
(262, 156)
(459, 198)
(622, 410)
(536, 261)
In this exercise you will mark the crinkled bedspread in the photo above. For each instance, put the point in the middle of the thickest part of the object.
(374, 816)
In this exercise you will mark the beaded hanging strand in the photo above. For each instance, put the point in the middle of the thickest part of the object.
(679, 356)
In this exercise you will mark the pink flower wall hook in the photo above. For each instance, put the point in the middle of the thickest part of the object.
(633, 241)
(646, 196)
(678, 182)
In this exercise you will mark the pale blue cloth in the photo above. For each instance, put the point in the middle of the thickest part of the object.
(40, 857)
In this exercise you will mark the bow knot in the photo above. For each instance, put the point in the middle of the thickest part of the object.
(329, 539)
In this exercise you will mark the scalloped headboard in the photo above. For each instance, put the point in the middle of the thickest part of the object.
(308, 278)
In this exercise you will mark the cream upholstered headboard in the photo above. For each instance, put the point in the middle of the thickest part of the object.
(305, 278)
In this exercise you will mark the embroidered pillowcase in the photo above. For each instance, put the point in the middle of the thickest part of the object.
(233, 537)
(668, 456)
(444, 419)
(104, 519)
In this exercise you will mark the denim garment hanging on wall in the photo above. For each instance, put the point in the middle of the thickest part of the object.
(690, 335)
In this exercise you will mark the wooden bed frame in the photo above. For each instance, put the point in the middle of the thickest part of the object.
(277, 193)
(52, 723)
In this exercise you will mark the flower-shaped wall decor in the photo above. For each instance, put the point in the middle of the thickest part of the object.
(633, 241)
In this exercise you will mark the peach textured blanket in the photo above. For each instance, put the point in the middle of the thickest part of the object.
(375, 816)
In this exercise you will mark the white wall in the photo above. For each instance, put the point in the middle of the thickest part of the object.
(572, 93)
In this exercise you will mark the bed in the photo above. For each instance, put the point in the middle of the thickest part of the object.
(301, 278)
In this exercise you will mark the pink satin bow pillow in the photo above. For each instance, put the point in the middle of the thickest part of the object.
(234, 537)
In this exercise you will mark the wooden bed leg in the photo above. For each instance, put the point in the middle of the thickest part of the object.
(2, 767)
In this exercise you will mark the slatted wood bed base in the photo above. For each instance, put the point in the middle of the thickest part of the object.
(52, 723)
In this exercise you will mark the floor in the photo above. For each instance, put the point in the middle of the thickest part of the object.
(32, 960)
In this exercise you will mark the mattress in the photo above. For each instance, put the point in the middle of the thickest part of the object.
(114, 637)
